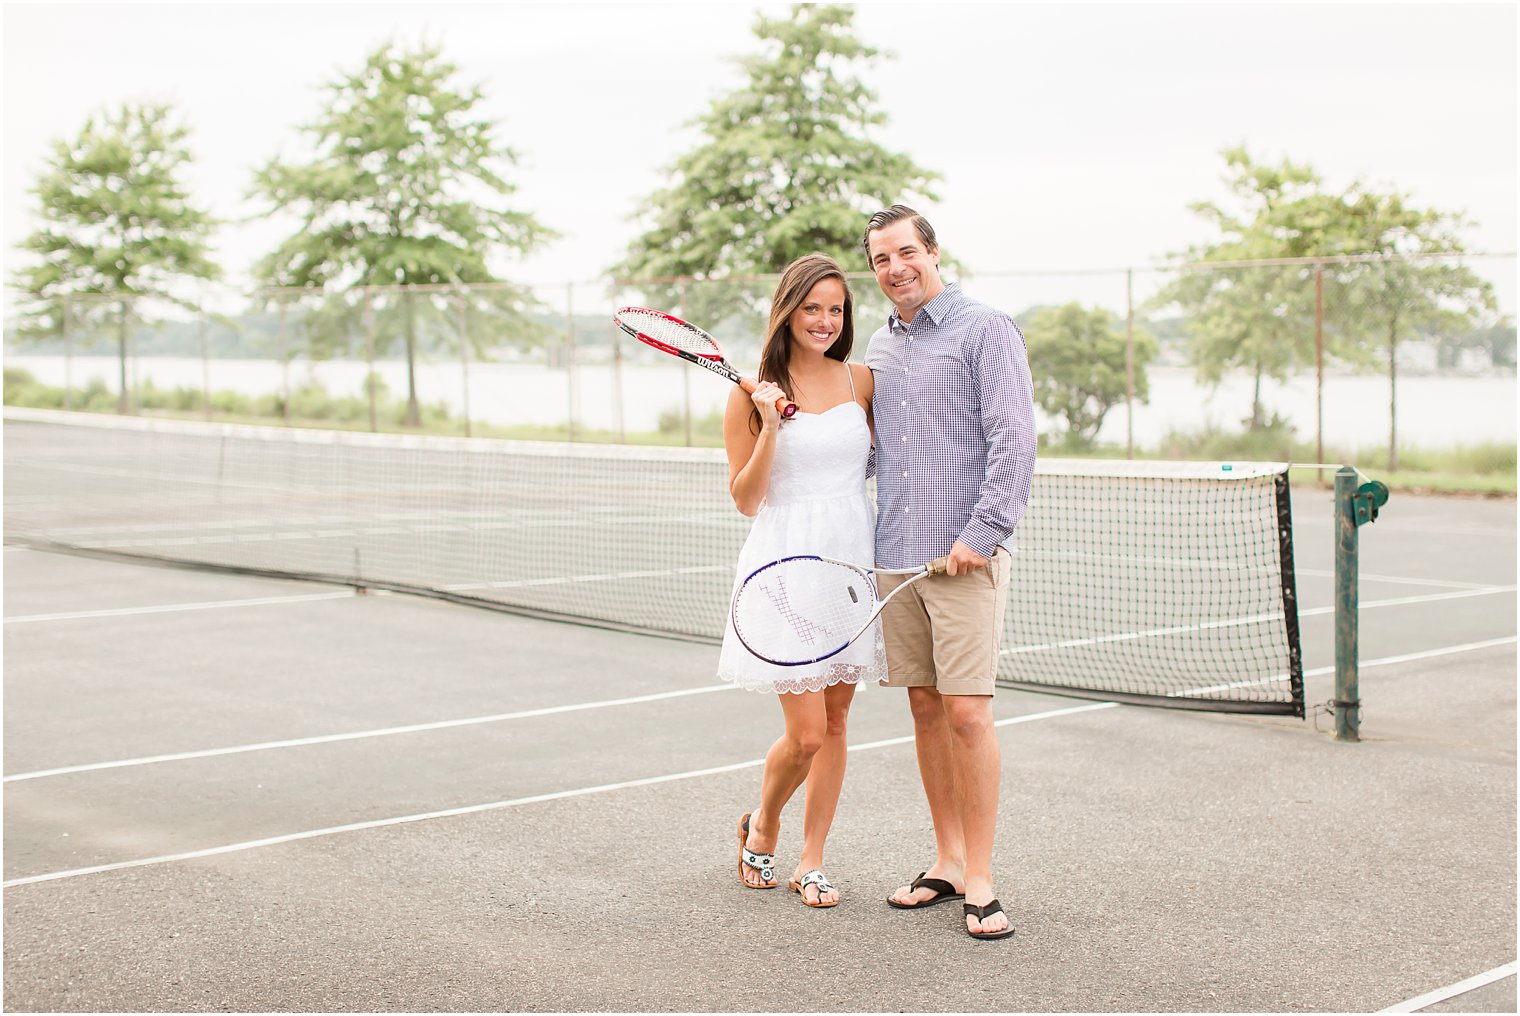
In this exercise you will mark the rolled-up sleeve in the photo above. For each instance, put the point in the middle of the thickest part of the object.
(1000, 371)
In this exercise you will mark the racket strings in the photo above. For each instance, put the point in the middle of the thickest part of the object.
(673, 333)
(802, 609)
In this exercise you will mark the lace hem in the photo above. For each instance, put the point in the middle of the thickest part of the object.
(839, 673)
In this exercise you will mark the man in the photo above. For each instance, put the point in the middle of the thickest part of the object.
(955, 452)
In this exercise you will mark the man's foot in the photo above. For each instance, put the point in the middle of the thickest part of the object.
(933, 886)
(814, 887)
(986, 920)
(756, 866)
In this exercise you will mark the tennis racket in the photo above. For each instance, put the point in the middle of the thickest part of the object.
(803, 609)
(679, 338)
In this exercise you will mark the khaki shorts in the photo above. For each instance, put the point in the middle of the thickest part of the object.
(943, 632)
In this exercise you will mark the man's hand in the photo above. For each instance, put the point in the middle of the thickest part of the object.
(963, 559)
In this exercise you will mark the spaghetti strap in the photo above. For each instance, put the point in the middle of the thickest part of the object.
(851, 374)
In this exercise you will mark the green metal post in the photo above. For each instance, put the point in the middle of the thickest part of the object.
(1348, 706)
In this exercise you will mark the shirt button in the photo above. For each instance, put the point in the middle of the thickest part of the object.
(905, 370)
(907, 510)
(905, 438)
(905, 472)
(905, 402)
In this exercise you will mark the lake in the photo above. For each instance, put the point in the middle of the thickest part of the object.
(1434, 410)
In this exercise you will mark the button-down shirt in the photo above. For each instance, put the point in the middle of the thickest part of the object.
(955, 433)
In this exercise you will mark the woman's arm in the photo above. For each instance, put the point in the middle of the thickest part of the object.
(750, 455)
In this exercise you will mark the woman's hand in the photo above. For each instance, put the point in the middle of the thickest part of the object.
(765, 397)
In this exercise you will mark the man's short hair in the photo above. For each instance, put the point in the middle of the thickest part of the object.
(896, 213)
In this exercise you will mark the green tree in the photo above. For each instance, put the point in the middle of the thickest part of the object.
(1077, 358)
(1408, 292)
(787, 166)
(404, 191)
(118, 227)
(1256, 318)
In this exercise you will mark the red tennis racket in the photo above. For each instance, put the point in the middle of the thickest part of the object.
(671, 335)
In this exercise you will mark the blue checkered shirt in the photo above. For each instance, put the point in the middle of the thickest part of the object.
(955, 434)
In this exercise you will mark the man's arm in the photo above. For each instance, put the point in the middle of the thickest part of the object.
(1000, 370)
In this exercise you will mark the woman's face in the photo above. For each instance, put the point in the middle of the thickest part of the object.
(818, 323)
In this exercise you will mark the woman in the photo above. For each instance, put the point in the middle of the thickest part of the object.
(804, 481)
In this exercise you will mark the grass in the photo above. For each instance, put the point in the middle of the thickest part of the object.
(1483, 469)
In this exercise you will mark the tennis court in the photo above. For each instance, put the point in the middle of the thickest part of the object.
(234, 792)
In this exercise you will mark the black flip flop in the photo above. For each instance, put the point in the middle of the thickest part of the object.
(981, 914)
(945, 889)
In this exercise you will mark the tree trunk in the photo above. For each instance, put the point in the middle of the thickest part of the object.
(123, 402)
(413, 417)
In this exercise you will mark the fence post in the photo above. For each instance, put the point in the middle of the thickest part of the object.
(205, 364)
(1129, 363)
(1319, 362)
(68, 358)
(617, 383)
(570, 359)
(284, 361)
(464, 354)
(369, 355)
(685, 374)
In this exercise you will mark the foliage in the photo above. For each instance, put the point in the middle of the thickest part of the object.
(1386, 301)
(1259, 319)
(404, 190)
(787, 167)
(118, 227)
(1077, 359)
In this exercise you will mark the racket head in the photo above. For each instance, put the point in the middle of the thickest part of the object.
(667, 332)
(802, 609)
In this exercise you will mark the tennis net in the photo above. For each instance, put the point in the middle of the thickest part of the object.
(1155, 583)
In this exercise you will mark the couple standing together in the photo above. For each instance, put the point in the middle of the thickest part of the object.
(944, 407)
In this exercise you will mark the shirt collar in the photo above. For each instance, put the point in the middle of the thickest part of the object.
(936, 308)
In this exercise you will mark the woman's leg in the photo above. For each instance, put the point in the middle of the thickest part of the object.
(786, 766)
(823, 784)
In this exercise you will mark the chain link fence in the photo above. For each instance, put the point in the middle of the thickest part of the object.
(1322, 348)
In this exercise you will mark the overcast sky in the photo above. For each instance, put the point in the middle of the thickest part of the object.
(1069, 136)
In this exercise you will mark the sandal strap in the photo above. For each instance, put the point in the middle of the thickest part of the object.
(982, 913)
(938, 885)
(765, 864)
(818, 878)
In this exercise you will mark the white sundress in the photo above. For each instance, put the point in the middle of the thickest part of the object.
(816, 504)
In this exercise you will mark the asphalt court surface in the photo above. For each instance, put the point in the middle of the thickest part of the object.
(402, 804)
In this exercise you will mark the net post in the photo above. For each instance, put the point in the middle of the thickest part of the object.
(1348, 710)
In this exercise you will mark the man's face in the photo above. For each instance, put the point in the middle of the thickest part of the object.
(906, 272)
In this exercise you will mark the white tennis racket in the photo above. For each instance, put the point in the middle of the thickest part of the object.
(669, 334)
(806, 608)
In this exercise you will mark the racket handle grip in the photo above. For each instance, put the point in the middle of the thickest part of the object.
(785, 407)
(938, 565)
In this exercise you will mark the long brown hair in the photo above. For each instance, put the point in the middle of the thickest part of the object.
(797, 281)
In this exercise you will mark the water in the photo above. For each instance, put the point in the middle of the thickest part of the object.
(1433, 411)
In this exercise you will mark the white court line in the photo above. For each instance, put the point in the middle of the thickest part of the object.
(1235, 622)
(172, 607)
(604, 788)
(360, 734)
(1364, 577)
(1452, 990)
(472, 809)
